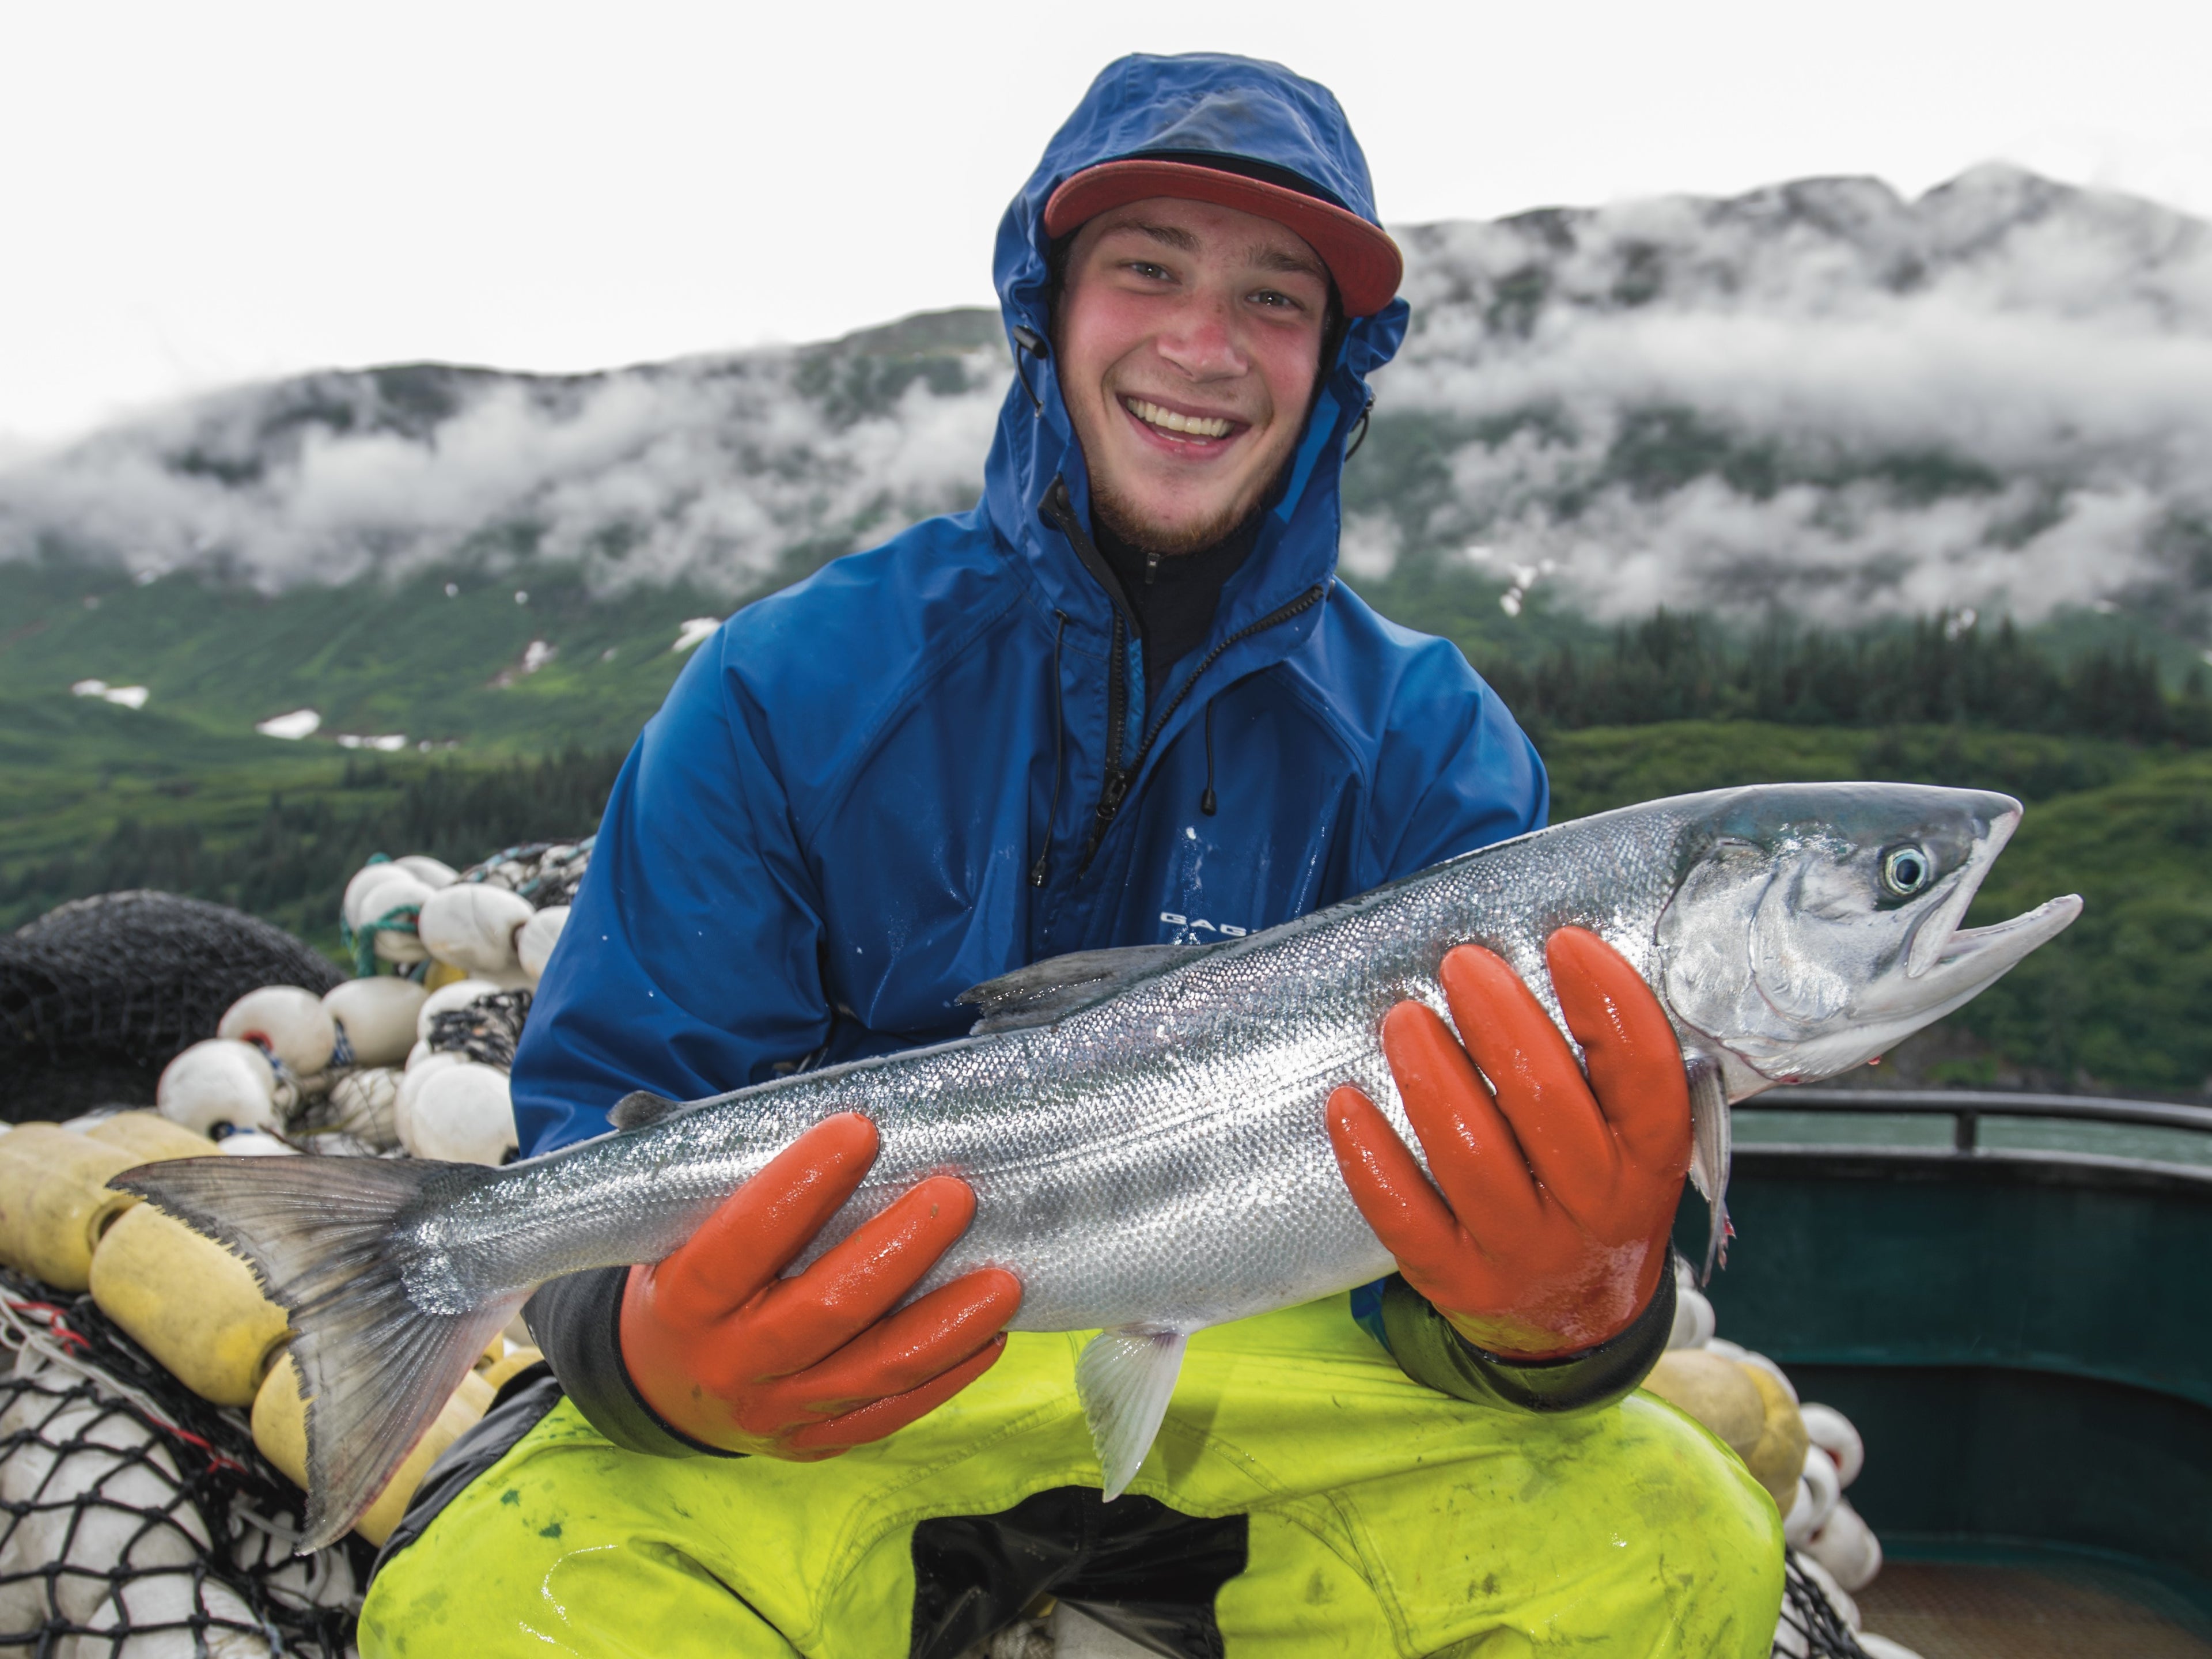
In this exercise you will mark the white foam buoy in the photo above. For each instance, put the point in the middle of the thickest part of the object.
(1693, 1320)
(1837, 1597)
(220, 1081)
(419, 1071)
(357, 886)
(253, 1143)
(1831, 1432)
(361, 1105)
(397, 891)
(1847, 1548)
(1818, 1491)
(431, 872)
(533, 946)
(1880, 1647)
(463, 1114)
(473, 926)
(444, 999)
(287, 1022)
(377, 1016)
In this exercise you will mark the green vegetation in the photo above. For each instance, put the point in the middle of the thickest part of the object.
(2115, 756)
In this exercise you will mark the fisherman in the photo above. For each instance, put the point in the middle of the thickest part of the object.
(1124, 701)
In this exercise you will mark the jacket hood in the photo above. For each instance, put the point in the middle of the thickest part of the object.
(1190, 106)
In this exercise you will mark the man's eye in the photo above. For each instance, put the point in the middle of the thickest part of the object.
(1270, 298)
(1145, 268)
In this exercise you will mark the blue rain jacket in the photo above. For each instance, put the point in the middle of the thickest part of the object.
(844, 815)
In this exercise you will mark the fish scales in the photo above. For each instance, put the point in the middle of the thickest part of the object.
(1160, 1158)
(1144, 1130)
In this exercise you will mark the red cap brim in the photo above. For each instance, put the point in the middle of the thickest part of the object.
(1363, 260)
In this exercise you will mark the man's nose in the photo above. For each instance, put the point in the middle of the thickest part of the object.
(1200, 338)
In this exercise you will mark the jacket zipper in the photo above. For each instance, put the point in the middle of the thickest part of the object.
(1114, 788)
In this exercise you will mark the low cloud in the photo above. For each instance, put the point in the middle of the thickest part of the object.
(1820, 398)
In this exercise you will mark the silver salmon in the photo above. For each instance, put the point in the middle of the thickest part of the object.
(1144, 1127)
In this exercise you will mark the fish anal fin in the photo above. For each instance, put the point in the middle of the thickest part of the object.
(1125, 1378)
(641, 1109)
(1059, 985)
(1711, 1151)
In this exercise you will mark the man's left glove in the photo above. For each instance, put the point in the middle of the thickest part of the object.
(1558, 1192)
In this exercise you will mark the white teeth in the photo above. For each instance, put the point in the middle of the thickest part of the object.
(1197, 426)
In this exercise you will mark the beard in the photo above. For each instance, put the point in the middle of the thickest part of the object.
(1126, 516)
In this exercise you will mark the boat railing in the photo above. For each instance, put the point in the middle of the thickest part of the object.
(1967, 1108)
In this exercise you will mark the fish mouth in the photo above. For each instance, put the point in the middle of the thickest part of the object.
(1974, 956)
(1932, 937)
(1946, 960)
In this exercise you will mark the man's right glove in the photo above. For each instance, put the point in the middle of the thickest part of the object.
(737, 1357)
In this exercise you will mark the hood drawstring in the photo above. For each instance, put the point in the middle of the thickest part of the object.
(1042, 867)
(1206, 802)
(1031, 343)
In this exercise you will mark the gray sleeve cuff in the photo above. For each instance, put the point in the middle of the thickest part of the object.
(1428, 1350)
(576, 1322)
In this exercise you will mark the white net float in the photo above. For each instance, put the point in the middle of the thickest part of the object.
(290, 1024)
(1831, 1432)
(459, 994)
(361, 1103)
(220, 1082)
(533, 946)
(1819, 1490)
(377, 1016)
(1847, 1548)
(463, 1114)
(431, 872)
(253, 1143)
(418, 1072)
(383, 912)
(1693, 1320)
(473, 926)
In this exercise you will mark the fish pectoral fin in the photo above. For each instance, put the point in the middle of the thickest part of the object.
(1711, 1151)
(1057, 987)
(641, 1109)
(1125, 1378)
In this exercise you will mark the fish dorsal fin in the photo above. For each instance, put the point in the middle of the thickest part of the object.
(1057, 987)
(641, 1109)
(1125, 1378)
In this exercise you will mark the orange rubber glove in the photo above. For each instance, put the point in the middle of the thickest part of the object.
(738, 1357)
(1558, 1192)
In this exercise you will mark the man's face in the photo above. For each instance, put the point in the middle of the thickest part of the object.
(1188, 340)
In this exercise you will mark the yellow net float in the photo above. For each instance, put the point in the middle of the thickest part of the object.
(280, 1430)
(189, 1302)
(54, 1202)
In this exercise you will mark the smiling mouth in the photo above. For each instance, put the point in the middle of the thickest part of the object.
(1188, 429)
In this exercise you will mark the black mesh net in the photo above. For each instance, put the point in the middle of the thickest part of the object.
(139, 1521)
(96, 996)
(1811, 1627)
(486, 1030)
(543, 872)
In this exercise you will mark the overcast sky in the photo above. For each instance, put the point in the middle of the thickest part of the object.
(193, 194)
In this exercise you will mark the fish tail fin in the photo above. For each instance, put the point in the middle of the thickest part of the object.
(322, 1237)
(1125, 1378)
(1712, 1152)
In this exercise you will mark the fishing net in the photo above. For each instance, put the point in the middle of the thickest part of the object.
(138, 1521)
(1811, 1627)
(97, 995)
(543, 872)
(485, 1031)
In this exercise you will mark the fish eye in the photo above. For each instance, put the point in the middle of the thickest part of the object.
(1906, 871)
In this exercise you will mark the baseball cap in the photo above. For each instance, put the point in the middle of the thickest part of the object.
(1361, 257)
